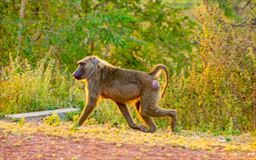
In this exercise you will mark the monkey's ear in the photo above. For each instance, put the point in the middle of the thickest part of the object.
(95, 61)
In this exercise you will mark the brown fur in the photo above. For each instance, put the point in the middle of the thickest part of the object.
(122, 86)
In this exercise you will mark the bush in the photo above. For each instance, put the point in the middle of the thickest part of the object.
(218, 93)
(53, 120)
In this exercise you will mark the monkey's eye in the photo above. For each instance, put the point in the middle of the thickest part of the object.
(81, 63)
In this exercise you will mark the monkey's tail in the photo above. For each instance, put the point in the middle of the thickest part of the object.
(156, 70)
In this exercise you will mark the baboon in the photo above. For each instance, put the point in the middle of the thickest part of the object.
(122, 86)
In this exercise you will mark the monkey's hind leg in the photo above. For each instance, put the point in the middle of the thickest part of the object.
(148, 120)
(149, 104)
(160, 112)
(125, 112)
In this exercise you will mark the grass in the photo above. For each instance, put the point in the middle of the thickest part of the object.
(26, 88)
(123, 135)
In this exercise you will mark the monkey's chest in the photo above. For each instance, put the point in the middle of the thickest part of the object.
(121, 92)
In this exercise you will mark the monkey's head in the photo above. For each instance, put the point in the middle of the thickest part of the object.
(86, 68)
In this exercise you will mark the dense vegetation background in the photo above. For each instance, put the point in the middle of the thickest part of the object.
(208, 45)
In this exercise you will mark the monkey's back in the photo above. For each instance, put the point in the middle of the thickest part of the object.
(123, 85)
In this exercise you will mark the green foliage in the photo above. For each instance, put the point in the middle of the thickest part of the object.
(219, 91)
(52, 120)
(71, 116)
(238, 11)
(230, 129)
(225, 5)
(228, 139)
(75, 123)
(25, 89)
(109, 27)
(115, 30)
(2, 115)
(21, 122)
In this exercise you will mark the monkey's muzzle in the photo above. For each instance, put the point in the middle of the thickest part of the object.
(77, 75)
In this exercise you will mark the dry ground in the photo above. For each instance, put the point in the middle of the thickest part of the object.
(38, 141)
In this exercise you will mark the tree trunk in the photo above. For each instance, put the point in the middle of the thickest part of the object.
(22, 15)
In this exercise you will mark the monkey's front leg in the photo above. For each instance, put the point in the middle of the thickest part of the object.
(92, 94)
(92, 101)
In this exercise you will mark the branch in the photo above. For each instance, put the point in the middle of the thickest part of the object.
(247, 4)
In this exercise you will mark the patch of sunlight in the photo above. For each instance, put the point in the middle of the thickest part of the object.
(128, 136)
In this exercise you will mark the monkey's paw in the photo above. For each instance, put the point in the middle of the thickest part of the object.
(141, 128)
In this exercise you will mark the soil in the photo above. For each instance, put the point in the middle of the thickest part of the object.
(43, 147)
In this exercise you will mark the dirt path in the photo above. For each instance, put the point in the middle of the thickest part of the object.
(37, 146)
